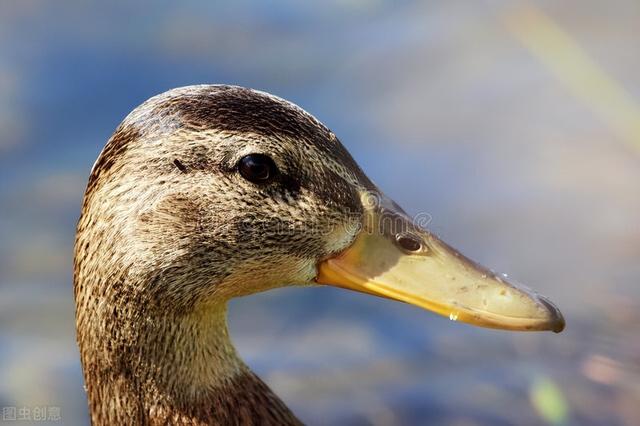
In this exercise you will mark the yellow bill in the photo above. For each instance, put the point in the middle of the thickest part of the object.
(394, 258)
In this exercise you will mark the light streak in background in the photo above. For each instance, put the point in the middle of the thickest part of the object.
(573, 66)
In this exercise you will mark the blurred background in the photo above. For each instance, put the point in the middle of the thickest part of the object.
(515, 124)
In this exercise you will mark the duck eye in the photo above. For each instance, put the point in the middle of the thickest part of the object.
(257, 168)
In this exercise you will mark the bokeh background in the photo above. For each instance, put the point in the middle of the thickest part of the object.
(515, 124)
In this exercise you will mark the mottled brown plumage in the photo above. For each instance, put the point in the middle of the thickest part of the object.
(169, 232)
(206, 193)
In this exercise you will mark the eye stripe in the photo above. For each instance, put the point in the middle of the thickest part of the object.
(180, 166)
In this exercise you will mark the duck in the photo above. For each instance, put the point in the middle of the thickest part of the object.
(206, 193)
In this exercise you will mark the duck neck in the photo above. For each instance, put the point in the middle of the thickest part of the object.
(148, 366)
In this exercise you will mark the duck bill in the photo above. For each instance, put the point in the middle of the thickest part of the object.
(394, 258)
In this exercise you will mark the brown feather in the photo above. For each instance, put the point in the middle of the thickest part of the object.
(169, 232)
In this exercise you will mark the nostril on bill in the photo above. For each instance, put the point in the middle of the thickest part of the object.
(409, 242)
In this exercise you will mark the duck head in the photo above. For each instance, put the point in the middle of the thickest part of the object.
(206, 193)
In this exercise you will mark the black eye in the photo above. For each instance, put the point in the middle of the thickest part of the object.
(257, 168)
